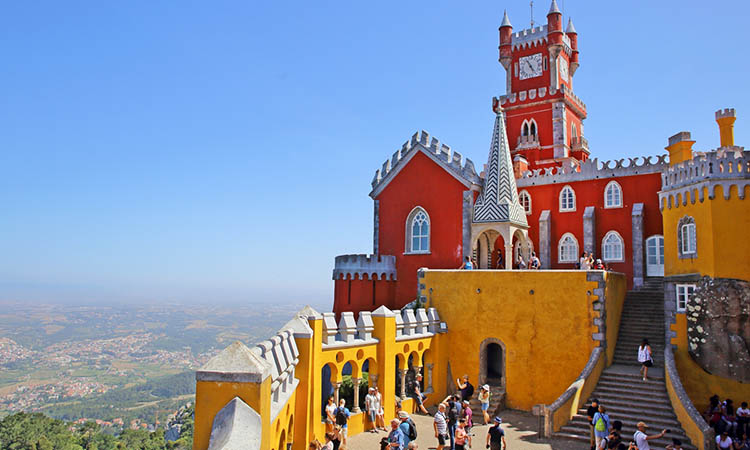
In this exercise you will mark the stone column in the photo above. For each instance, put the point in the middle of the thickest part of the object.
(545, 253)
(589, 230)
(336, 387)
(376, 227)
(402, 375)
(509, 256)
(467, 213)
(428, 385)
(637, 218)
(355, 408)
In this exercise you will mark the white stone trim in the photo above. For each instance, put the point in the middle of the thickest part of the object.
(622, 247)
(559, 247)
(521, 195)
(408, 236)
(560, 199)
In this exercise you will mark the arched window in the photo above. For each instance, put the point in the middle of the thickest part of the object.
(525, 128)
(687, 243)
(567, 199)
(418, 231)
(613, 247)
(573, 131)
(532, 129)
(567, 249)
(613, 195)
(525, 199)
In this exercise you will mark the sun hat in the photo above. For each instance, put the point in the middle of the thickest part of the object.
(486, 387)
(498, 420)
(402, 415)
(466, 402)
(641, 424)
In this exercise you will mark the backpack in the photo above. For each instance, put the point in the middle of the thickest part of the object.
(454, 412)
(412, 429)
(600, 425)
(340, 416)
(469, 391)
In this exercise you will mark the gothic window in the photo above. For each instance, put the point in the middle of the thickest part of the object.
(684, 292)
(573, 131)
(567, 199)
(687, 244)
(525, 199)
(544, 63)
(567, 249)
(532, 129)
(613, 247)
(613, 195)
(418, 231)
(525, 128)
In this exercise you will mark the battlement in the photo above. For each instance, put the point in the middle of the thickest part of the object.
(725, 167)
(443, 154)
(535, 36)
(542, 92)
(724, 113)
(376, 267)
(591, 169)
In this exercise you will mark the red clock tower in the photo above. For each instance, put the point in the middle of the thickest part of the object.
(544, 119)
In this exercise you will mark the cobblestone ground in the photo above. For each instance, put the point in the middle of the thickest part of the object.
(520, 433)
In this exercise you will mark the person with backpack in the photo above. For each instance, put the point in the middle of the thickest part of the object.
(468, 414)
(601, 426)
(407, 427)
(466, 388)
(396, 436)
(590, 412)
(454, 413)
(342, 420)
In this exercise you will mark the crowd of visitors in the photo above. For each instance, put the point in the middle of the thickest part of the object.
(607, 434)
(730, 424)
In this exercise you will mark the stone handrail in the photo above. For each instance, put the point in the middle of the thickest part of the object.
(561, 410)
(696, 428)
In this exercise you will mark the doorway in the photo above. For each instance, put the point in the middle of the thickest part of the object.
(492, 362)
(655, 256)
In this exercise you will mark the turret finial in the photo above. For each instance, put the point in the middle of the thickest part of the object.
(570, 29)
(553, 9)
(506, 20)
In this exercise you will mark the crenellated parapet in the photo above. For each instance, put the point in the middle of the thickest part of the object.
(540, 93)
(376, 267)
(592, 169)
(535, 36)
(691, 179)
(348, 332)
(448, 158)
(282, 355)
(418, 323)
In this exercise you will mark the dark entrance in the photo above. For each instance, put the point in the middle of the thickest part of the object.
(494, 374)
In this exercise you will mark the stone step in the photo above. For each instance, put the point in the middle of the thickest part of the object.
(631, 393)
(582, 434)
(657, 423)
(633, 379)
(638, 385)
(626, 409)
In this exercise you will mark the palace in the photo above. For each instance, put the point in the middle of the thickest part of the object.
(671, 229)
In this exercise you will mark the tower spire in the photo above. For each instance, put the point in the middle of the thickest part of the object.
(553, 9)
(506, 20)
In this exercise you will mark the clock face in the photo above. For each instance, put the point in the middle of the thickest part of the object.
(531, 66)
(563, 69)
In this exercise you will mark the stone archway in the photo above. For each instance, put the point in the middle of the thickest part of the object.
(492, 357)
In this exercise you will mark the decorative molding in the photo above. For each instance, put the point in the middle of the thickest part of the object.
(376, 267)
(591, 169)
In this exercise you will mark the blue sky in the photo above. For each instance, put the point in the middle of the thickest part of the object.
(223, 151)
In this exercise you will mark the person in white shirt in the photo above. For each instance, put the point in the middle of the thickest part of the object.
(641, 438)
(743, 418)
(371, 408)
(379, 417)
(723, 441)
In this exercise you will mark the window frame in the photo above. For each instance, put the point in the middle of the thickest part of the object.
(616, 185)
(613, 233)
(559, 249)
(687, 295)
(408, 245)
(573, 131)
(560, 199)
(525, 194)
(687, 238)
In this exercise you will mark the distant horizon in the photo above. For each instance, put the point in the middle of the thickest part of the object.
(223, 153)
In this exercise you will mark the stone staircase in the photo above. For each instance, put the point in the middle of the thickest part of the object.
(621, 389)
(497, 404)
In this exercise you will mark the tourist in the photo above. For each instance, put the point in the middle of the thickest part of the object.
(723, 441)
(380, 418)
(440, 424)
(499, 264)
(644, 357)
(396, 437)
(599, 265)
(412, 446)
(336, 437)
(742, 444)
(728, 417)
(466, 388)
(534, 263)
(743, 418)
(675, 445)
(496, 435)
(371, 407)
(590, 412)
(330, 414)
(461, 435)
(468, 416)
(583, 263)
(601, 425)
(407, 427)
(484, 400)
(641, 439)
(419, 397)
(521, 263)
(467, 265)
(315, 445)
(454, 413)
(342, 420)
(329, 441)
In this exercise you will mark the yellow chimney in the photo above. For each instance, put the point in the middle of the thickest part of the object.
(680, 148)
(725, 118)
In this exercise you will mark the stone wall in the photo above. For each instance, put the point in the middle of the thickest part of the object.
(719, 327)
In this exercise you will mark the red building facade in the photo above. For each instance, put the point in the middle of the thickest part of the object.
(541, 193)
